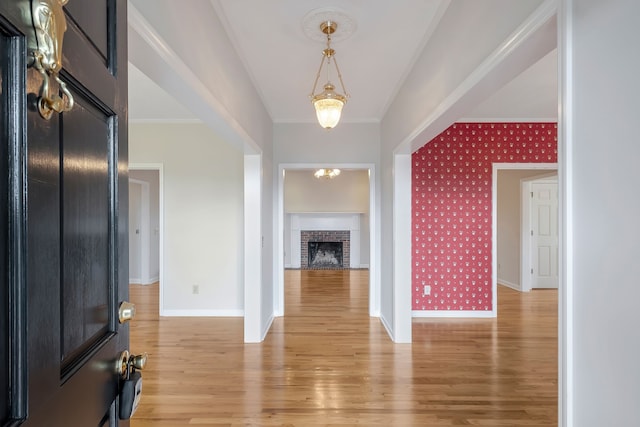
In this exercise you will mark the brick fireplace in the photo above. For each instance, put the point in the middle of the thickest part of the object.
(324, 227)
(308, 237)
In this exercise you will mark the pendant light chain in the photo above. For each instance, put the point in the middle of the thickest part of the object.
(335, 62)
(315, 83)
(328, 52)
(331, 53)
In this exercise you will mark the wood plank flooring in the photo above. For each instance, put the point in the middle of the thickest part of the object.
(327, 363)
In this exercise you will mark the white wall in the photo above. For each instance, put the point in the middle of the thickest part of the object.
(509, 222)
(365, 240)
(386, 237)
(287, 240)
(599, 152)
(309, 143)
(203, 211)
(348, 192)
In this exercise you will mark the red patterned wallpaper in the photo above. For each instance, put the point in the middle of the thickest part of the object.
(452, 186)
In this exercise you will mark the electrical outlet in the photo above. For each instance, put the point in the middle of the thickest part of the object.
(196, 289)
(427, 290)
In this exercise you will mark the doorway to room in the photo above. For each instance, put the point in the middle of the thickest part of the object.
(356, 215)
(524, 227)
(145, 227)
(540, 254)
(139, 242)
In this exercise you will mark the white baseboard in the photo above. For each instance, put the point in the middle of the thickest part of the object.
(364, 265)
(287, 266)
(454, 313)
(147, 281)
(202, 313)
(508, 284)
(152, 280)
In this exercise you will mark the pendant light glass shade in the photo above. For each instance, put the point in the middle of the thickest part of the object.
(328, 105)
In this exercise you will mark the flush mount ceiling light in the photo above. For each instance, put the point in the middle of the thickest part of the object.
(327, 173)
(328, 103)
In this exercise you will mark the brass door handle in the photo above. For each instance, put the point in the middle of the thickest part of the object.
(122, 363)
(125, 362)
(138, 361)
(126, 311)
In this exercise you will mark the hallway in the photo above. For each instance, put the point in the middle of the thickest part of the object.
(327, 363)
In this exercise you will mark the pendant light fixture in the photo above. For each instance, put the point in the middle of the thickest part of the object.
(328, 103)
(326, 173)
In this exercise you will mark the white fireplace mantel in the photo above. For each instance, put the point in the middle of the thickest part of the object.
(326, 221)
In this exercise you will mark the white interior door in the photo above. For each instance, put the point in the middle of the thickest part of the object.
(544, 231)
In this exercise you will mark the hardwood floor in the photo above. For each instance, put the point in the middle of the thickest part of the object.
(327, 363)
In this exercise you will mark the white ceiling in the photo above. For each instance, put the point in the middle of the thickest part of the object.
(282, 62)
(148, 102)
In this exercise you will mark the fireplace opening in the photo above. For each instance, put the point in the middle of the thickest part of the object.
(325, 255)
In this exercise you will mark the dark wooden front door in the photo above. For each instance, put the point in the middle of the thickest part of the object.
(63, 218)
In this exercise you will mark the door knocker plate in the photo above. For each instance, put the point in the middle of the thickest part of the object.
(49, 25)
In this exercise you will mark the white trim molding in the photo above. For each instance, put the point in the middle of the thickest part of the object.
(566, 147)
(508, 284)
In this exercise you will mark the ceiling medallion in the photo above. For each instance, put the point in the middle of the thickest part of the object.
(346, 25)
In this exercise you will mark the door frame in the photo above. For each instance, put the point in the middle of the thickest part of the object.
(160, 168)
(526, 240)
(494, 218)
(374, 233)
